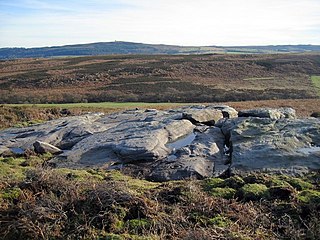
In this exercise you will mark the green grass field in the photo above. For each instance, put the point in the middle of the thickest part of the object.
(316, 82)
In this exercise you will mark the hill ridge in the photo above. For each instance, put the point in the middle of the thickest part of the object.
(123, 47)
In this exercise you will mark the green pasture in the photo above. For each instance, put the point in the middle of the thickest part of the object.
(316, 83)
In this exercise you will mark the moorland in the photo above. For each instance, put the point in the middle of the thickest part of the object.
(160, 78)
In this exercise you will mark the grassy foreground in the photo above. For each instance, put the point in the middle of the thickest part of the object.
(39, 202)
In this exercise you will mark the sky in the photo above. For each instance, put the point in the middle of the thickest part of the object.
(39, 23)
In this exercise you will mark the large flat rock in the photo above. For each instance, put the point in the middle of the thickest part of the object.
(193, 141)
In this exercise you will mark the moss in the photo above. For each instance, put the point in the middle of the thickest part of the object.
(253, 192)
(118, 213)
(8, 160)
(27, 123)
(11, 193)
(277, 182)
(234, 182)
(10, 168)
(33, 161)
(121, 212)
(46, 156)
(256, 178)
(299, 184)
(136, 185)
(136, 225)
(219, 221)
(227, 193)
(35, 121)
(79, 175)
(118, 225)
(309, 197)
(213, 183)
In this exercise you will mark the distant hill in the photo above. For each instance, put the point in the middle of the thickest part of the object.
(115, 48)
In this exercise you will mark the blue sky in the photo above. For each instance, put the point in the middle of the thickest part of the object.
(36, 23)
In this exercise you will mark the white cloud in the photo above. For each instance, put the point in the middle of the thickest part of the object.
(182, 22)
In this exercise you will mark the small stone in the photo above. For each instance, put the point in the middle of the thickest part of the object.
(43, 147)
(205, 116)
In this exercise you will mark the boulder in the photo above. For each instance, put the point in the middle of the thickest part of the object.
(285, 145)
(227, 112)
(288, 112)
(196, 167)
(205, 116)
(269, 113)
(43, 147)
(4, 150)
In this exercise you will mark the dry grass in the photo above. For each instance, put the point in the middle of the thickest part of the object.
(49, 204)
(192, 78)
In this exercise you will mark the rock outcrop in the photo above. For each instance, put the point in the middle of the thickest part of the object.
(196, 141)
(275, 145)
(269, 113)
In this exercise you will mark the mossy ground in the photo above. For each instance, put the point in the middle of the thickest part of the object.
(38, 202)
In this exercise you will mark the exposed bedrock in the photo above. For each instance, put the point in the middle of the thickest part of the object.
(194, 141)
(284, 145)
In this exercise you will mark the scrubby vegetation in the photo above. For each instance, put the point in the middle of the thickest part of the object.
(40, 202)
(160, 78)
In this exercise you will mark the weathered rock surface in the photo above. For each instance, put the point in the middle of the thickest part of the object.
(274, 145)
(195, 141)
(203, 157)
(42, 147)
(206, 116)
(269, 113)
(228, 112)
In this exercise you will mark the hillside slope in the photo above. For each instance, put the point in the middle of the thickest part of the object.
(161, 78)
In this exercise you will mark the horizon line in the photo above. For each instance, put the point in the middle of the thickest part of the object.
(164, 44)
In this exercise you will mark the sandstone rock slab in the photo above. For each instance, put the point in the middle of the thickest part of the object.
(272, 113)
(273, 145)
(205, 116)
